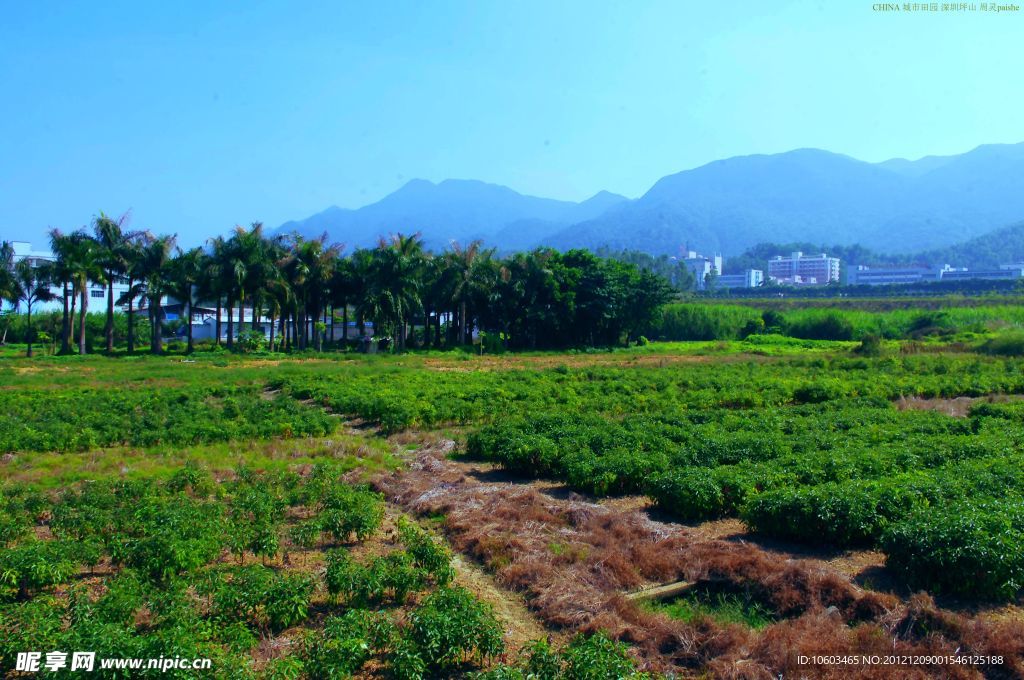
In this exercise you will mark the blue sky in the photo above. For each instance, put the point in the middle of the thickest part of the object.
(198, 115)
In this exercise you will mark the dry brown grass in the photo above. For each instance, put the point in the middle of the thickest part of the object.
(573, 559)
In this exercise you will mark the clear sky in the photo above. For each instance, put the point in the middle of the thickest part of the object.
(200, 115)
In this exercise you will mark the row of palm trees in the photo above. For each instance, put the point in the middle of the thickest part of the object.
(296, 282)
(303, 285)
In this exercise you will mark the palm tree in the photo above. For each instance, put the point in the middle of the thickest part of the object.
(131, 255)
(6, 280)
(396, 282)
(308, 269)
(185, 270)
(342, 289)
(231, 270)
(62, 246)
(472, 268)
(212, 283)
(109, 236)
(28, 284)
(257, 265)
(112, 241)
(155, 266)
(82, 264)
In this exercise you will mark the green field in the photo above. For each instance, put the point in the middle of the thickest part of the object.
(208, 504)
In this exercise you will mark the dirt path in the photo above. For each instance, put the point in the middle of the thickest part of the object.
(520, 624)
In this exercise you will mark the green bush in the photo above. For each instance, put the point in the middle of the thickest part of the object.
(1009, 344)
(451, 626)
(345, 643)
(974, 550)
(35, 565)
(842, 514)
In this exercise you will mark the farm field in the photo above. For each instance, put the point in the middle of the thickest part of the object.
(442, 514)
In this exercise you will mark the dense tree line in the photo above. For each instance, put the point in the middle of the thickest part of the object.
(302, 286)
(671, 269)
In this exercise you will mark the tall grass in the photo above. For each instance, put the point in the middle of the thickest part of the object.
(696, 321)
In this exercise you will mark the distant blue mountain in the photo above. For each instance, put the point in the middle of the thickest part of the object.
(806, 195)
(460, 210)
(820, 197)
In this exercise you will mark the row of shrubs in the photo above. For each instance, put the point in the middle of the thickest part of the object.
(700, 321)
(81, 419)
(850, 475)
(397, 397)
(166, 542)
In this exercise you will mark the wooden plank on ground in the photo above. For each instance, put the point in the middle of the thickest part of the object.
(664, 592)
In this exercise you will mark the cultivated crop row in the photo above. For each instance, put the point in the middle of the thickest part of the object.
(197, 568)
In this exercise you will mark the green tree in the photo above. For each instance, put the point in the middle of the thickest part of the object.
(30, 285)
(132, 256)
(62, 246)
(185, 272)
(111, 240)
(155, 267)
(83, 264)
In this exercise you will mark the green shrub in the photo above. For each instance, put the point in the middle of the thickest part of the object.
(451, 626)
(870, 346)
(841, 514)
(821, 325)
(974, 550)
(426, 553)
(35, 565)
(349, 510)
(346, 643)
(1009, 344)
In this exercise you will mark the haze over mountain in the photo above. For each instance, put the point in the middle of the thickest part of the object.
(726, 206)
(454, 209)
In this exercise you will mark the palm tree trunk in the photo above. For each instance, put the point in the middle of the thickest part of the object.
(333, 310)
(255, 296)
(188, 320)
(272, 320)
(131, 315)
(81, 319)
(344, 323)
(241, 315)
(109, 330)
(65, 325)
(231, 322)
(463, 325)
(71, 321)
(28, 330)
(216, 330)
(158, 338)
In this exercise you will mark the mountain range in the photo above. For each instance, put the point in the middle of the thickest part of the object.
(726, 206)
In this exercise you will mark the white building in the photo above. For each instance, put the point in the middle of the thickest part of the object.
(750, 278)
(701, 266)
(902, 275)
(97, 292)
(867, 276)
(805, 269)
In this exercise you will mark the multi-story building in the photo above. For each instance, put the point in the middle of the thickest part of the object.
(97, 292)
(895, 275)
(866, 276)
(1004, 273)
(751, 278)
(701, 266)
(798, 267)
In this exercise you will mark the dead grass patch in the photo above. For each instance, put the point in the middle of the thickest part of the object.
(604, 550)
